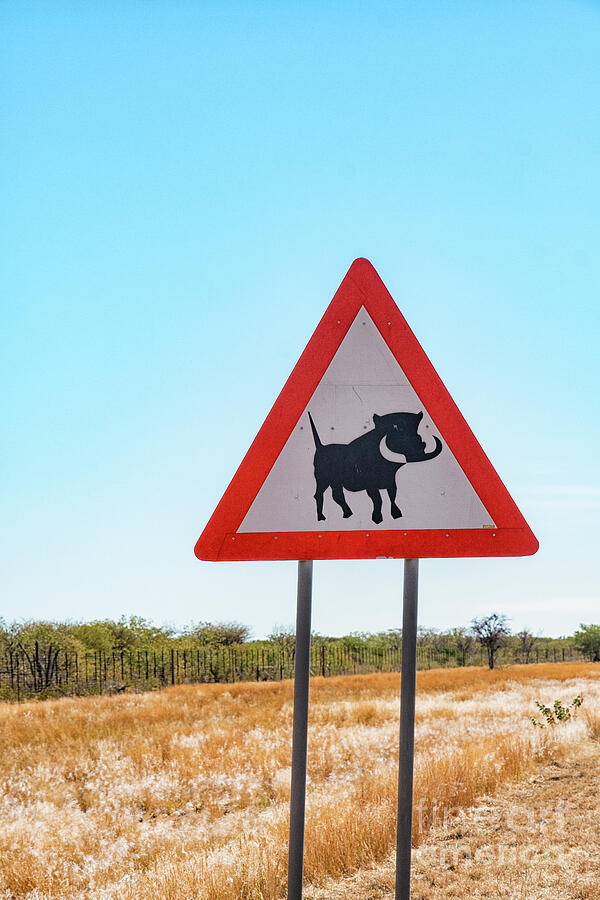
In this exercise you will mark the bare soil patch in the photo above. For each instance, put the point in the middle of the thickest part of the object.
(534, 840)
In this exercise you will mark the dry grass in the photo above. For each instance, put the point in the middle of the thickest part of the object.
(184, 793)
(537, 839)
(592, 720)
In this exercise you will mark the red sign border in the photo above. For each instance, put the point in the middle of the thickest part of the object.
(221, 540)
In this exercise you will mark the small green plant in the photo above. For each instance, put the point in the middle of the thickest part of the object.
(557, 712)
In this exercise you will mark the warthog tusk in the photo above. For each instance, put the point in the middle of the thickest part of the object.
(431, 454)
(389, 454)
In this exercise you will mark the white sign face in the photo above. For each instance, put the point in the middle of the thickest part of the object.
(375, 459)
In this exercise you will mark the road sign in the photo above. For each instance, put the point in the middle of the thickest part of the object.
(364, 454)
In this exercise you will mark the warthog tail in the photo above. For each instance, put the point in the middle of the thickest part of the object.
(315, 433)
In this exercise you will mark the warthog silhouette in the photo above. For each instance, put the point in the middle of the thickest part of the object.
(370, 462)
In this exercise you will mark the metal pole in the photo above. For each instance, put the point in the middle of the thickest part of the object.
(407, 728)
(300, 729)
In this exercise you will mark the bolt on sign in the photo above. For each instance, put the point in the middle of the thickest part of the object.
(364, 454)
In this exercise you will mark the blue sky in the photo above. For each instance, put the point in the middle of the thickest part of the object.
(184, 186)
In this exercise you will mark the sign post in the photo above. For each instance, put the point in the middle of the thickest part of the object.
(407, 728)
(363, 455)
(300, 729)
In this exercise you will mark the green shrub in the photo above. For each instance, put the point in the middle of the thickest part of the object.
(557, 712)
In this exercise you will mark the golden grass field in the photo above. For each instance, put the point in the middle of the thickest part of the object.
(183, 793)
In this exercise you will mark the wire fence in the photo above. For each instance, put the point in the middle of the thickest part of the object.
(49, 672)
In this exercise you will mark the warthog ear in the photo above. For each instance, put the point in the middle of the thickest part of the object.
(376, 419)
(419, 416)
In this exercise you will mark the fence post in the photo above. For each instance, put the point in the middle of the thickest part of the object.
(231, 664)
(18, 682)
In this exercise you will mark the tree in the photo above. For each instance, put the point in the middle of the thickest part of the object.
(94, 636)
(354, 644)
(283, 637)
(39, 645)
(128, 633)
(491, 632)
(393, 638)
(219, 634)
(22, 636)
(439, 643)
(463, 641)
(527, 641)
(587, 641)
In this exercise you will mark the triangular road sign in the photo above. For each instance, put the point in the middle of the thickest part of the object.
(364, 454)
